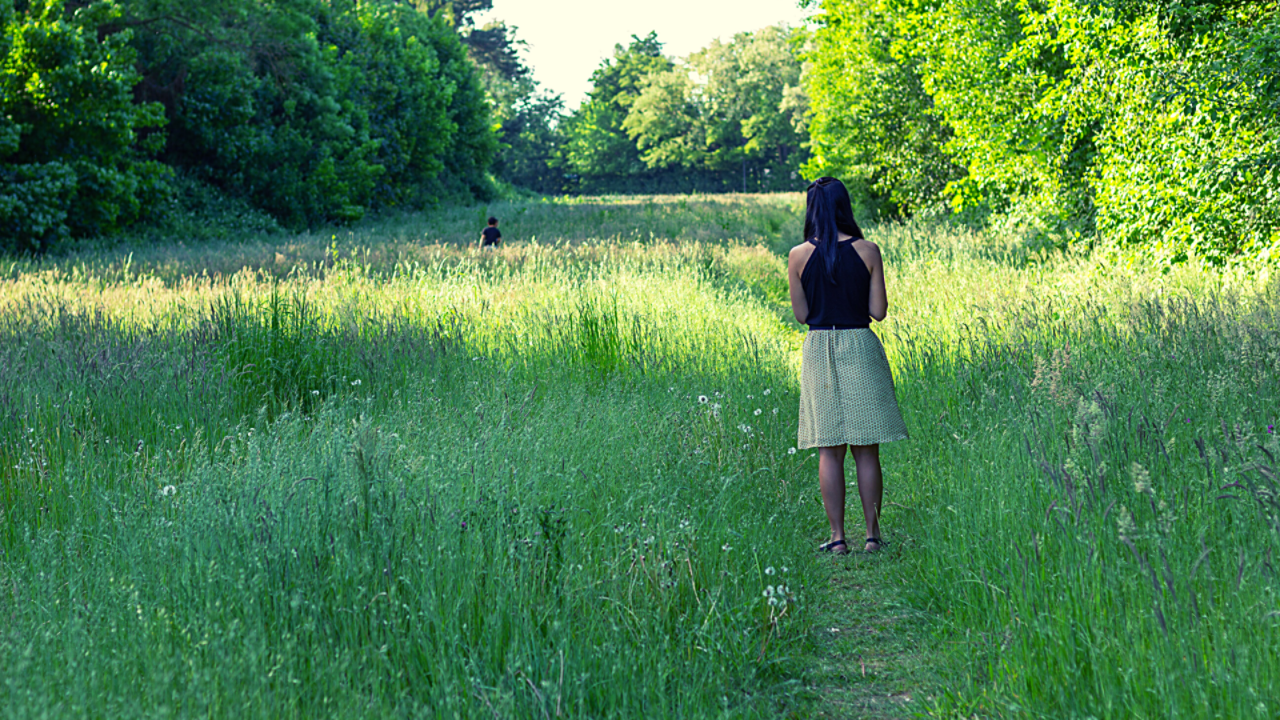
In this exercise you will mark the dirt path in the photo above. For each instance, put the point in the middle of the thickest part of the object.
(874, 656)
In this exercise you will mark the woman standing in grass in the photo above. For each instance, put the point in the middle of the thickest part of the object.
(846, 388)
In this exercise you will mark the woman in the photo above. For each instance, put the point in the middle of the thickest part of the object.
(846, 388)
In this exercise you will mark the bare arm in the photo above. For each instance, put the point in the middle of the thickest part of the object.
(878, 305)
(795, 266)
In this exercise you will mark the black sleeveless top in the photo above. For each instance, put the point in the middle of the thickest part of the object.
(847, 302)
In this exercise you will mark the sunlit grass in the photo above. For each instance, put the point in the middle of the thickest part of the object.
(381, 472)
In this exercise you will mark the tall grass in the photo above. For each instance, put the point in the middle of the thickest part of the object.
(386, 474)
(472, 487)
(1095, 453)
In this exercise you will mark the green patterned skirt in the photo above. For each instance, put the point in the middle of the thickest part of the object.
(846, 391)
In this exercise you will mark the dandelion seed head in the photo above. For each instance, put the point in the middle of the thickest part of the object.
(168, 490)
(773, 602)
(758, 411)
(769, 570)
(702, 399)
(767, 391)
(791, 451)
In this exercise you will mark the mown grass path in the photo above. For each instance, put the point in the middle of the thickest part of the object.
(874, 654)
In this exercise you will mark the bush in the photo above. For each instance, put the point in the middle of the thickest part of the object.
(71, 157)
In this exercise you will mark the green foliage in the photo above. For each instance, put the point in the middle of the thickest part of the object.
(317, 111)
(871, 121)
(72, 161)
(596, 142)
(725, 105)
(729, 117)
(529, 136)
(311, 111)
(1152, 124)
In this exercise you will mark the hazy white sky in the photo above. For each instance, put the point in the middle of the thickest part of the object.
(568, 38)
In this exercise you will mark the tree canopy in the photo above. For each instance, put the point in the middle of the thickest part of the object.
(314, 111)
(1151, 123)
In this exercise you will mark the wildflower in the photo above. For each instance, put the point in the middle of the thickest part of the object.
(1271, 429)
(792, 451)
(751, 397)
(726, 547)
(1186, 420)
(168, 490)
(745, 428)
(775, 411)
(768, 591)
(767, 391)
(315, 392)
(355, 383)
(702, 399)
(758, 411)
(769, 570)
(784, 569)
(773, 602)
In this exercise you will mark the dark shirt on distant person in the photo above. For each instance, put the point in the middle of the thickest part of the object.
(491, 236)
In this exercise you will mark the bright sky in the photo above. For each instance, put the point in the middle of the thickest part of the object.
(567, 39)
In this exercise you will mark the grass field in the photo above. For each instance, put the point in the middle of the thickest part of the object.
(375, 472)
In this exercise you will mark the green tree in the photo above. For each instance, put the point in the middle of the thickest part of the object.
(72, 148)
(315, 111)
(595, 141)
(871, 121)
(725, 106)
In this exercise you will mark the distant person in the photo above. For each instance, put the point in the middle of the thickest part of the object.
(491, 236)
(846, 388)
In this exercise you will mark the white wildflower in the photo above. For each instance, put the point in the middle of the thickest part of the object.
(769, 570)
(767, 391)
(355, 383)
(702, 399)
(792, 451)
(168, 490)
(758, 411)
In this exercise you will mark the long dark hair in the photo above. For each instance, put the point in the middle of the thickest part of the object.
(828, 213)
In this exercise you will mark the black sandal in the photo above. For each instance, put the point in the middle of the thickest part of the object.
(831, 546)
(879, 544)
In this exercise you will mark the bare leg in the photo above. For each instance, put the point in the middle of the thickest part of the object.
(831, 482)
(866, 458)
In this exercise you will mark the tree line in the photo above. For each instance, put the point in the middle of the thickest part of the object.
(729, 117)
(1154, 123)
(312, 111)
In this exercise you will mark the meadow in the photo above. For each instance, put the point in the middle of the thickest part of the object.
(376, 472)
